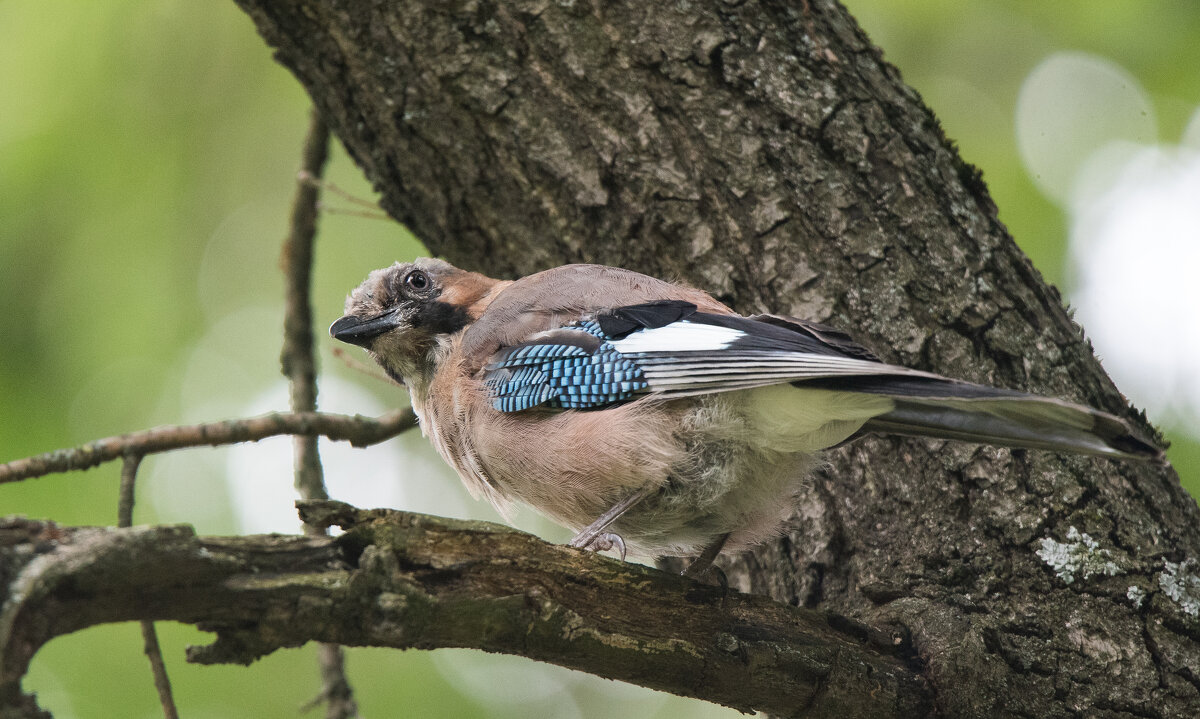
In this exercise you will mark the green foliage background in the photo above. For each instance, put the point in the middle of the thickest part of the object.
(147, 160)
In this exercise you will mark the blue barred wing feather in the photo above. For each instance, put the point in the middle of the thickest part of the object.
(574, 367)
(667, 348)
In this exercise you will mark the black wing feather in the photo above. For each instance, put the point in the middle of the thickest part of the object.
(621, 321)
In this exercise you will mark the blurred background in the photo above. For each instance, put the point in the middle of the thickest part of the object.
(147, 161)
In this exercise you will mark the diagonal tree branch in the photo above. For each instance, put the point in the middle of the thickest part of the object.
(412, 581)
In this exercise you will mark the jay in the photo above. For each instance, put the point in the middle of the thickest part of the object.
(648, 415)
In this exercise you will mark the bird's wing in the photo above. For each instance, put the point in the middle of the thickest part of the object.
(669, 349)
(562, 296)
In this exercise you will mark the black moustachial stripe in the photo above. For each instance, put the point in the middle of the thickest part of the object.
(441, 318)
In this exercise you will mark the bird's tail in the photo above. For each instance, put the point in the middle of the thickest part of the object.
(950, 409)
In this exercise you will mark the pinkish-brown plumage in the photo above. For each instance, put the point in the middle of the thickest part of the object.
(718, 420)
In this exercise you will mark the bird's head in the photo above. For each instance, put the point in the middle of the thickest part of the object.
(405, 313)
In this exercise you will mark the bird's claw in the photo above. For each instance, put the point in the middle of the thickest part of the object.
(600, 543)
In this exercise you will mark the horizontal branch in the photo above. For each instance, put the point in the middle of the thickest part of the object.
(396, 579)
(358, 430)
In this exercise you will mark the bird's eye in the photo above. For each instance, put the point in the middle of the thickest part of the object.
(416, 280)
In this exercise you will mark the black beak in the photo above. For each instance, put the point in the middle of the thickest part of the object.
(360, 331)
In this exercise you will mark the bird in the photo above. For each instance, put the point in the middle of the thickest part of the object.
(648, 416)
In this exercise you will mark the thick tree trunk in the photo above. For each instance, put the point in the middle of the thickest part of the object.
(766, 152)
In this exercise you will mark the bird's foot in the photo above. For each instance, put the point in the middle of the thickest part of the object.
(702, 564)
(599, 542)
(712, 575)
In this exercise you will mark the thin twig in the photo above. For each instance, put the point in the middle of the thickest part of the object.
(365, 214)
(162, 683)
(125, 497)
(357, 365)
(309, 179)
(358, 430)
(299, 365)
(336, 693)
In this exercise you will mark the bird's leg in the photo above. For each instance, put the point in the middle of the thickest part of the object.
(594, 537)
(702, 563)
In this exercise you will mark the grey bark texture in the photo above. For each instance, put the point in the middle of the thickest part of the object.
(766, 152)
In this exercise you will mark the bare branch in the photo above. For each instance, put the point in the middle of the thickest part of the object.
(300, 367)
(365, 214)
(162, 684)
(357, 430)
(372, 210)
(371, 370)
(412, 581)
(125, 499)
(336, 692)
(158, 669)
(296, 358)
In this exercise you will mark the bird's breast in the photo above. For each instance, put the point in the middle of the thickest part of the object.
(726, 462)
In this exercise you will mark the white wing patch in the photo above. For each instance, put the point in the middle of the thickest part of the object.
(680, 336)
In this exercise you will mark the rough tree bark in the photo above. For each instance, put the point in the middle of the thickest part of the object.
(397, 579)
(766, 152)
